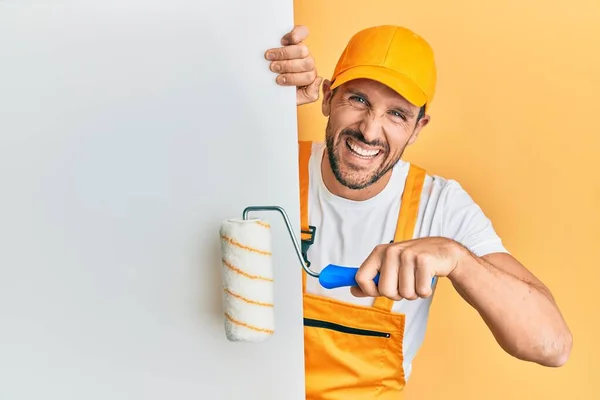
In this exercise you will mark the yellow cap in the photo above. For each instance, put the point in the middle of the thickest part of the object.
(394, 56)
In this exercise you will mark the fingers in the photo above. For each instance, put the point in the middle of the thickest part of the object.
(367, 272)
(297, 51)
(388, 274)
(423, 277)
(406, 275)
(298, 79)
(415, 274)
(295, 36)
(293, 65)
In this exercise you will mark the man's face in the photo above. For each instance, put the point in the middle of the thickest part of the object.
(368, 129)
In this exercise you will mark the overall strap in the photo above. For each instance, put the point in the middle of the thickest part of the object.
(306, 233)
(407, 218)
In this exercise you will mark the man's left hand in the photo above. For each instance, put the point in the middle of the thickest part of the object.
(407, 268)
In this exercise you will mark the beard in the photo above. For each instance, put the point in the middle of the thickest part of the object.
(350, 176)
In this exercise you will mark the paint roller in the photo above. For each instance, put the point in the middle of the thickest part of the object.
(247, 275)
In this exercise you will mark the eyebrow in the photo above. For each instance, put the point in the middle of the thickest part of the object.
(402, 109)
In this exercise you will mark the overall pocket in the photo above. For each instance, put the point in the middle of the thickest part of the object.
(352, 352)
(315, 323)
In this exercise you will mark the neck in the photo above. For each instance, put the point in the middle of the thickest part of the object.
(336, 188)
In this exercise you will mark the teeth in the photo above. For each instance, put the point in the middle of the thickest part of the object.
(361, 151)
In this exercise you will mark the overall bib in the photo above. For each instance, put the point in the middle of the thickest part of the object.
(354, 352)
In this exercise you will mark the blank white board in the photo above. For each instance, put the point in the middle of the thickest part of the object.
(129, 129)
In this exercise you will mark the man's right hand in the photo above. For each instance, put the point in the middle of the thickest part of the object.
(295, 66)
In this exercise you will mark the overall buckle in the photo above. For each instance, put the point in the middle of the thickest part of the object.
(306, 243)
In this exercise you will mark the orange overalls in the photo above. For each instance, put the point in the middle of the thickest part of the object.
(355, 352)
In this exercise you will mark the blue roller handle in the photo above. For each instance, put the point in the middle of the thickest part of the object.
(336, 276)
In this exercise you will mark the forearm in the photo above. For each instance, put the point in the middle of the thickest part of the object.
(521, 315)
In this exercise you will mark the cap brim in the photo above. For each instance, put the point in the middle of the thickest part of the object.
(394, 80)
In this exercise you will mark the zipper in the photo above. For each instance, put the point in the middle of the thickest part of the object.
(315, 323)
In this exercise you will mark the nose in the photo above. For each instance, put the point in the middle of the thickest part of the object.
(371, 127)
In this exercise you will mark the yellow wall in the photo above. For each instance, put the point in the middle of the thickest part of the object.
(516, 121)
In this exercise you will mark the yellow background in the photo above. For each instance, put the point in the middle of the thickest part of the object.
(516, 121)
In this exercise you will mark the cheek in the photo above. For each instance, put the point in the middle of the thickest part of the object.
(345, 117)
(398, 138)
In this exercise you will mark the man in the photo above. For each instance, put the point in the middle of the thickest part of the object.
(367, 207)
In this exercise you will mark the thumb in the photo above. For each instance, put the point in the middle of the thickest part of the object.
(366, 274)
(310, 93)
(356, 291)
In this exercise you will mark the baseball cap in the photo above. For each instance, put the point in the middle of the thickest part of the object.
(394, 56)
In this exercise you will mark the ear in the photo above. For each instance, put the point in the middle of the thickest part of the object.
(327, 96)
(420, 125)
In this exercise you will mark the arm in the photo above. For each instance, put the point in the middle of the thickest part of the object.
(518, 309)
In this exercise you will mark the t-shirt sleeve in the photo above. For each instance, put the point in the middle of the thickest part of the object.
(464, 221)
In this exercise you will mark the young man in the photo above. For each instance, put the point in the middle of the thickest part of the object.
(369, 208)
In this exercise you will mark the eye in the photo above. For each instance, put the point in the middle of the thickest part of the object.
(358, 98)
(398, 114)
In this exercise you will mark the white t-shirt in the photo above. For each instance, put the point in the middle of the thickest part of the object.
(347, 231)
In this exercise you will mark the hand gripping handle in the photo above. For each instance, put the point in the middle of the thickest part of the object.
(336, 276)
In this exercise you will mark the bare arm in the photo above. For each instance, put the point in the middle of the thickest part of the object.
(518, 309)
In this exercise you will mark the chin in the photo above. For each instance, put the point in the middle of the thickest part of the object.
(355, 177)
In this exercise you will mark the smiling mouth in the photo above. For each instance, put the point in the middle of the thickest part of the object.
(360, 151)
